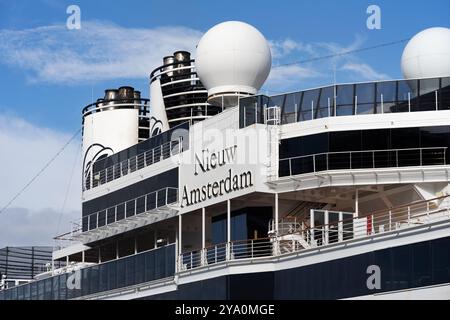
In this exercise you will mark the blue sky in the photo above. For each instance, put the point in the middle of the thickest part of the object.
(48, 73)
(57, 104)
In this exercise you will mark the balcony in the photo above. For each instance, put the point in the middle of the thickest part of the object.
(370, 159)
(292, 236)
(126, 272)
(137, 157)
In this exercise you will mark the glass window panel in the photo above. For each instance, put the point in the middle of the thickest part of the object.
(428, 94)
(130, 271)
(309, 103)
(140, 206)
(112, 275)
(407, 91)
(290, 111)
(247, 108)
(41, 290)
(140, 268)
(27, 292)
(386, 96)
(365, 92)
(62, 279)
(111, 215)
(121, 211)
(34, 291)
(48, 289)
(85, 281)
(94, 279)
(344, 100)
(102, 218)
(55, 288)
(121, 269)
(85, 223)
(160, 264)
(131, 205)
(326, 103)
(444, 102)
(103, 277)
(92, 221)
(151, 201)
(150, 266)
(161, 198)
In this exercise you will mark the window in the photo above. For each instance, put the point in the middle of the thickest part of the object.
(344, 100)
(365, 98)
(386, 97)
(291, 105)
(309, 104)
(326, 103)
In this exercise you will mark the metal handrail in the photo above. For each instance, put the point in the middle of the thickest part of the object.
(78, 224)
(377, 100)
(144, 104)
(318, 236)
(442, 160)
(133, 164)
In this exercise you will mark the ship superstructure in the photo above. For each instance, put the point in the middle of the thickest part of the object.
(335, 192)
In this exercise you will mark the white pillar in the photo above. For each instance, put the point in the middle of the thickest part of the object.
(155, 239)
(356, 203)
(228, 253)
(228, 221)
(83, 256)
(117, 249)
(276, 214)
(135, 245)
(180, 235)
(203, 228)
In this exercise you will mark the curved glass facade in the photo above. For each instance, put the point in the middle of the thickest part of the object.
(350, 99)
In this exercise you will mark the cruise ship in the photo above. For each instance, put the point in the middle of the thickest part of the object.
(211, 190)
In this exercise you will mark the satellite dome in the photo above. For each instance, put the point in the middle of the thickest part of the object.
(427, 54)
(233, 59)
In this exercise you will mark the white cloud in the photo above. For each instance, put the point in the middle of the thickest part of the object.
(364, 71)
(99, 51)
(286, 76)
(35, 214)
(25, 227)
(313, 68)
(283, 48)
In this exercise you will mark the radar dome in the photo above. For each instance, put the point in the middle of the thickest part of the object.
(427, 54)
(233, 59)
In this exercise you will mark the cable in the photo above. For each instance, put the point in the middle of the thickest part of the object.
(40, 172)
(343, 53)
(66, 196)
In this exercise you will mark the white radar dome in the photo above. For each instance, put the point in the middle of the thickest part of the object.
(427, 54)
(233, 59)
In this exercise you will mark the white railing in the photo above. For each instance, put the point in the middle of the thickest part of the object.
(133, 164)
(305, 237)
(367, 159)
(123, 211)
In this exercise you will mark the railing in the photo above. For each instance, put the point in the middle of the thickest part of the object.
(124, 272)
(412, 95)
(142, 160)
(302, 236)
(123, 211)
(370, 159)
